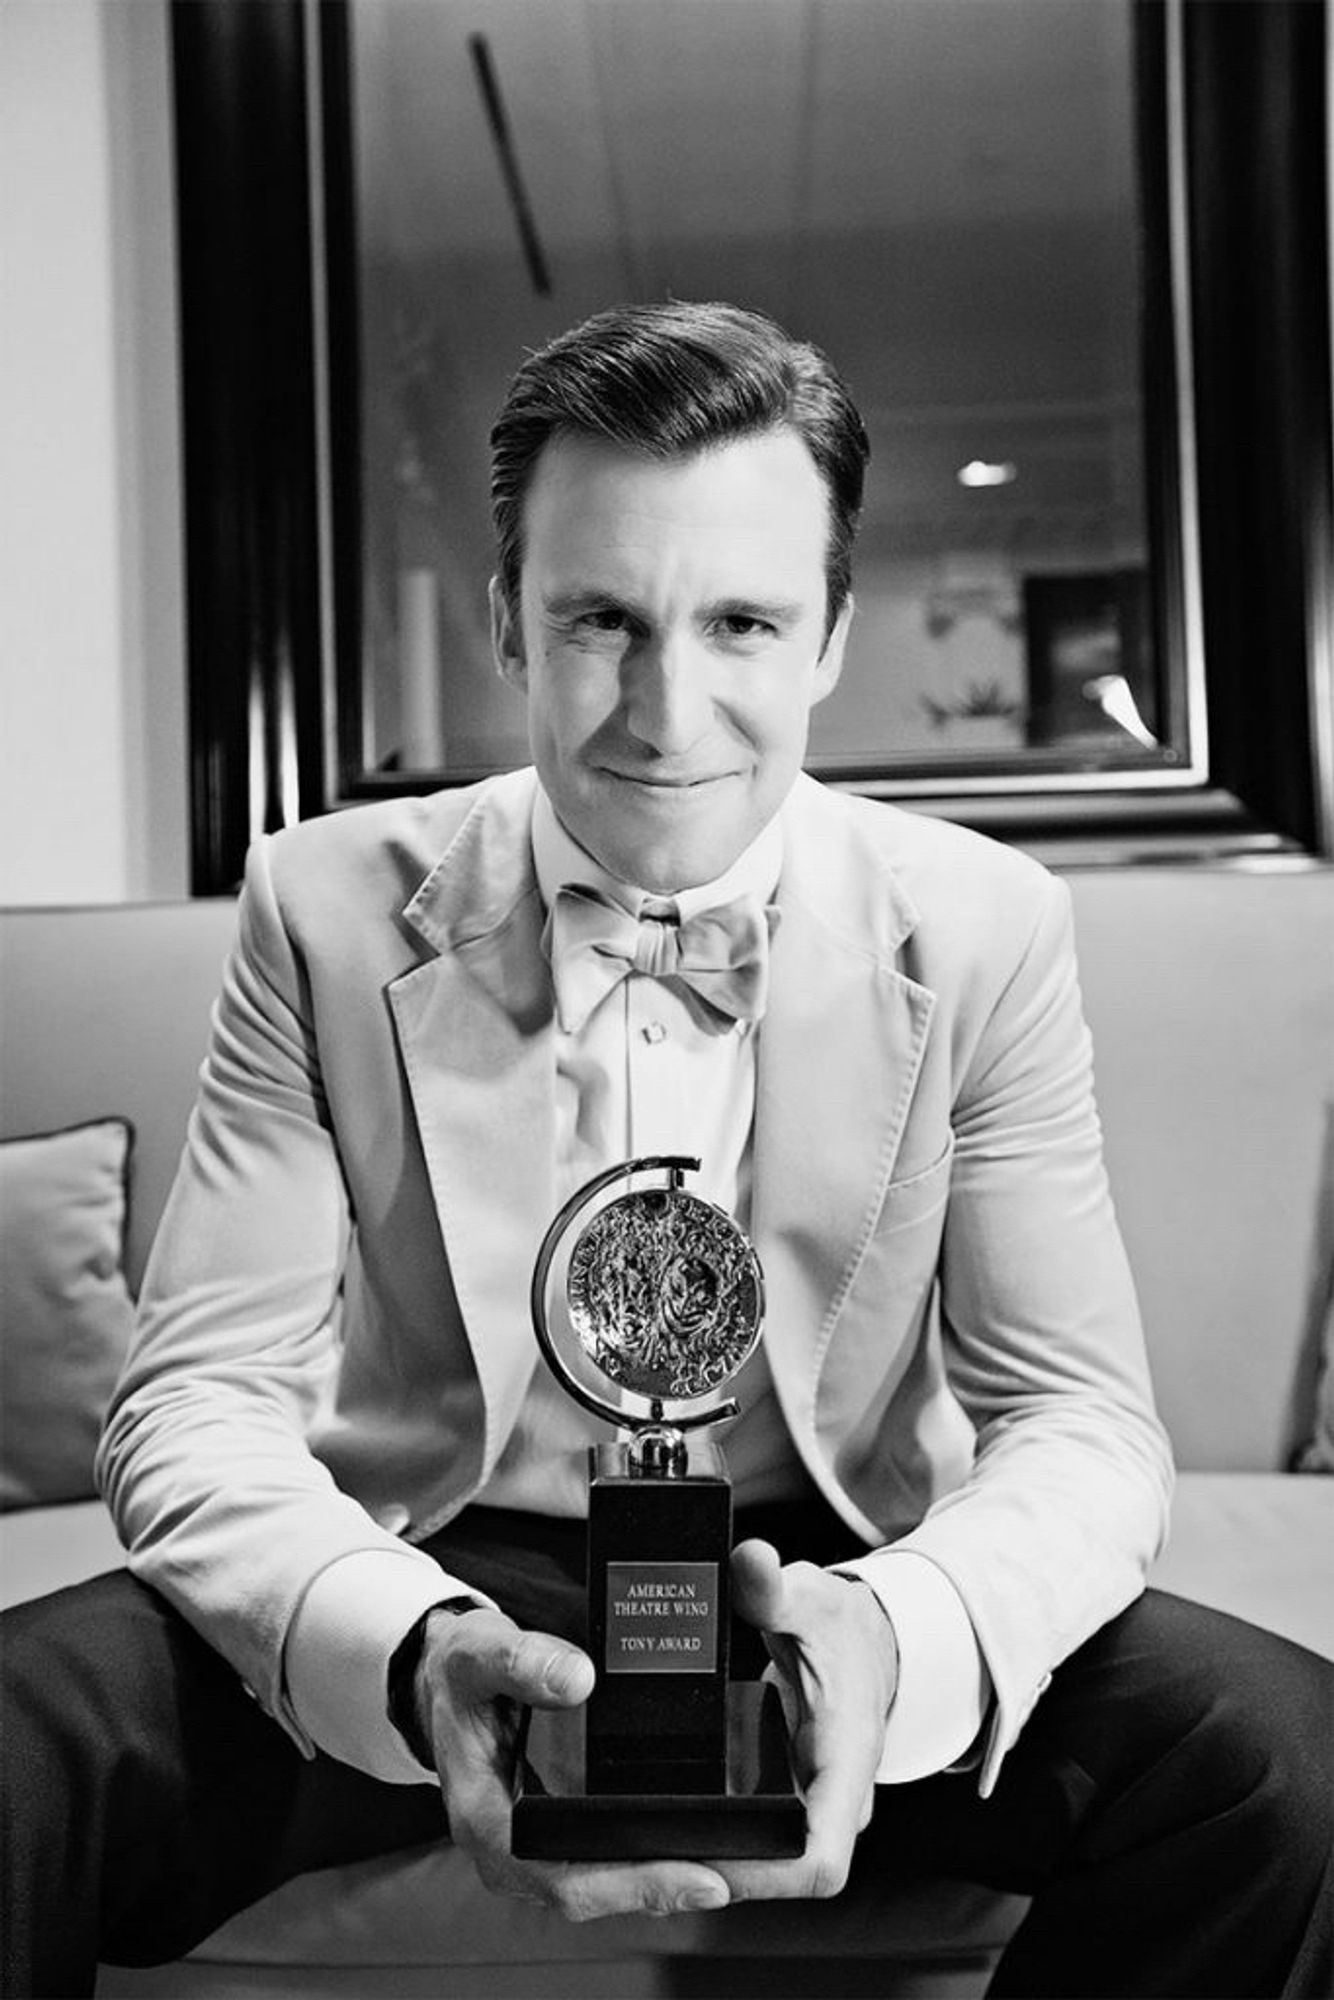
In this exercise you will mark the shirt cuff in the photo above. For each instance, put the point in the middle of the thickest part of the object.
(336, 1658)
(944, 1688)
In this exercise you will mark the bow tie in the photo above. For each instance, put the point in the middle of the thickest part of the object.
(722, 954)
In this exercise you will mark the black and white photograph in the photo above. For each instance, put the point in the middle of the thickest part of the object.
(667, 1000)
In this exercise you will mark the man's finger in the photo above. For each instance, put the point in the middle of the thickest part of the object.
(483, 1668)
(477, 1797)
(668, 1888)
(485, 1657)
(835, 1663)
(758, 1587)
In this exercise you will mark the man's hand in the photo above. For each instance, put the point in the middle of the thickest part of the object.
(476, 1673)
(836, 1663)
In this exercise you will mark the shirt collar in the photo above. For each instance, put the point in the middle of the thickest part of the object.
(560, 860)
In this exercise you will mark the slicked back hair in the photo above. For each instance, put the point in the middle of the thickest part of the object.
(670, 380)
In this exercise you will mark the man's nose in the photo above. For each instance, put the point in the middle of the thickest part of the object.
(667, 701)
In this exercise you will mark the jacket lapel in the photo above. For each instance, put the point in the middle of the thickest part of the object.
(839, 1054)
(474, 1025)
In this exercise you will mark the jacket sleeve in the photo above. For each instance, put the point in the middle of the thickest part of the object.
(203, 1459)
(1066, 1503)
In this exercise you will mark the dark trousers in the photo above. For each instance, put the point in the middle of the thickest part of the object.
(1169, 1806)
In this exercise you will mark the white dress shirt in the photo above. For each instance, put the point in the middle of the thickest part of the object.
(651, 1071)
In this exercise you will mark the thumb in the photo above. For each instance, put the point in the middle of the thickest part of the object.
(533, 1668)
(759, 1590)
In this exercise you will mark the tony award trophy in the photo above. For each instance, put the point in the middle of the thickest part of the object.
(647, 1301)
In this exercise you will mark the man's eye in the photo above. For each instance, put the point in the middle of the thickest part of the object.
(604, 618)
(744, 625)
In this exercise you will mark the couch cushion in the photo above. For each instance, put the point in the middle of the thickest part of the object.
(108, 1010)
(1260, 1545)
(47, 1548)
(426, 1907)
(1210, 996)
(65, 1310)
(639, 1978)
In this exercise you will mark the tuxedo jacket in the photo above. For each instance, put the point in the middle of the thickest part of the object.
(334, 1337)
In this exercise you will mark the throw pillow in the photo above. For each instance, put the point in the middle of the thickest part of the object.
(65, 1308)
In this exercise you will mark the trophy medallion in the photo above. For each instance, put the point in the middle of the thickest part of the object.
(647, 1303)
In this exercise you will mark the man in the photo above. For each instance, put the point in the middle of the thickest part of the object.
(332, 1454)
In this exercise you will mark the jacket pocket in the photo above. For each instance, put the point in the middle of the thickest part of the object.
(918, 1195)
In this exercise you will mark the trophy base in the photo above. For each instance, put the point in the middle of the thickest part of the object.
(760, 1815)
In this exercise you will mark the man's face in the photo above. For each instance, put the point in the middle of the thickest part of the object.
(671, 644)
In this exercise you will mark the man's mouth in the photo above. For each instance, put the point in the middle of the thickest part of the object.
(656, 782)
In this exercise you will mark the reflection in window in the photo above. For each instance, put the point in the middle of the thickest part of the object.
(942, 193)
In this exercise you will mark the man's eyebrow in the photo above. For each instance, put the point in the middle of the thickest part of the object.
(579, 597)
(780, 610)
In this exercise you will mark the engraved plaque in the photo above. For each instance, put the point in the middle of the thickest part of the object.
(662, 1618)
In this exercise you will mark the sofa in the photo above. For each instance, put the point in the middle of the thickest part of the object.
(1211, 997)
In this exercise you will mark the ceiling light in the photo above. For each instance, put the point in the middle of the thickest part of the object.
(987, 472)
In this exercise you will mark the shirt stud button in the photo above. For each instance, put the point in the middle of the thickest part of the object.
(654, 1031)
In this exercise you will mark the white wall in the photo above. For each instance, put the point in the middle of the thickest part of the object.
(92, 689)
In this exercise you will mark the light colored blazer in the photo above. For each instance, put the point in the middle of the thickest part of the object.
(334, 1334)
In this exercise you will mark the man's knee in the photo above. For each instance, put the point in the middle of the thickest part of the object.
(74, 1648)
(1275, 1704)
(1240, 1719)
(105, 1672)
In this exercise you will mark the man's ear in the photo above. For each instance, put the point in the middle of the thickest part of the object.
(830, 663)
(506, 638)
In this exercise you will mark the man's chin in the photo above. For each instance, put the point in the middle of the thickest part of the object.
(655, 860)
